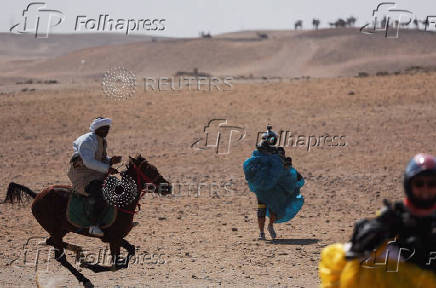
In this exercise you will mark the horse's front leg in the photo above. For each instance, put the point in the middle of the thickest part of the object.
(117, 261)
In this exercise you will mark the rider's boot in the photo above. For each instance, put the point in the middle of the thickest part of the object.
(96, 231)
(94, 208)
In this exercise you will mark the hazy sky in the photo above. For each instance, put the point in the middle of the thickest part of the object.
(186, 18)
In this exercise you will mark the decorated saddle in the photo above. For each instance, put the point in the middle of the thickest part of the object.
(77, 209)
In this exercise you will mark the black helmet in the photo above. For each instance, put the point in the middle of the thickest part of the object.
(269, 138)
(421, 164)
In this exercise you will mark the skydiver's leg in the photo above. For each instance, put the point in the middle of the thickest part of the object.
(272, 219)
(261, 214)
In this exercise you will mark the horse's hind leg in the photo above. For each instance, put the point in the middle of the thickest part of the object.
(129, 247)
(130, 250)
(117, 261)
(62, 259)
(75, 248)
(115, 253)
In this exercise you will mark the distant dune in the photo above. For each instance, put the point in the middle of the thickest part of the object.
(322, 53)
(26, 46)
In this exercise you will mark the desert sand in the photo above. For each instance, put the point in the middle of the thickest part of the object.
(322, 53)
(205, 240)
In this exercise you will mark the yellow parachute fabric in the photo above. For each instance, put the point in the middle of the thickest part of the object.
(336, 272)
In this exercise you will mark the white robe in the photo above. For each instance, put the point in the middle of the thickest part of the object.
(93, 163)
(86, 146)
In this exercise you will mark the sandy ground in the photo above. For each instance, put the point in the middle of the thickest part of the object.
(287, 54)
(210, 240)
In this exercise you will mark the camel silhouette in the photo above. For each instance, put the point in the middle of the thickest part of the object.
(315, 23)
(298, 24)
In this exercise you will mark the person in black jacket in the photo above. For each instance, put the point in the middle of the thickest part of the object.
(411, 222)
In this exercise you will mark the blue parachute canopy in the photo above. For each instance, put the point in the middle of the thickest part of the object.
(274, 185)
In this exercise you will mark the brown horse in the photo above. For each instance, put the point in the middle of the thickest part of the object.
(49, 209)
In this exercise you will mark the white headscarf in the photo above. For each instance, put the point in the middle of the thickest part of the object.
(100, 122)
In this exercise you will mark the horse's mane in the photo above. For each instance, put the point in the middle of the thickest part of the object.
(148, 167)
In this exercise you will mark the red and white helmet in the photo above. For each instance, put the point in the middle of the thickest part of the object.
(421, 164)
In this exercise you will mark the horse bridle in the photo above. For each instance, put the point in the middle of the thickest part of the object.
(140, 176)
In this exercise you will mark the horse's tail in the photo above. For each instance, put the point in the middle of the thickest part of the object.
(15, 193)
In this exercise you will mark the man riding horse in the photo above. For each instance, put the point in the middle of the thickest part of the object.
(89, 166)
